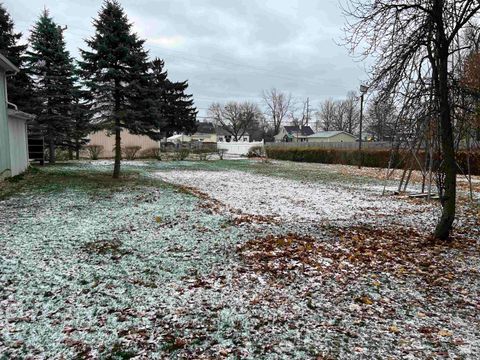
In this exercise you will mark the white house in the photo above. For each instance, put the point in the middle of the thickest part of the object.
(331, 136)
(224, 136)
(13, 128)
(294, 133)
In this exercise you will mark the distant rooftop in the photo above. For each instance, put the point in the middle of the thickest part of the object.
(304, 130)
(328, 134)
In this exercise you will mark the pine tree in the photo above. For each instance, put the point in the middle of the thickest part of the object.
(81, 121)
(115, 71)
(19, 86)
(51, 68)
(175, 108)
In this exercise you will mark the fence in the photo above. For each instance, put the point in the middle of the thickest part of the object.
(234, 148)
(378, 145)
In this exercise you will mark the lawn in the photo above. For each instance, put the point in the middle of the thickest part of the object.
(231, 259)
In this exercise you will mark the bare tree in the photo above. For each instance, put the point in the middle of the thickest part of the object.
(413, 44)
(352, 114)
(326, 115)
(381, 118)
(277, 105)
(236, 118)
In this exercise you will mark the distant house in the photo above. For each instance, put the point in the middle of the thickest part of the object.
(209, 133)
(294, 133)
(179, 139)
(331, 136)
(13, 128)
(226, 136)
(205, 133)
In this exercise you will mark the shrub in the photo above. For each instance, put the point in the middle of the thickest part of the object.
(94, 151)
(370, 157)
(130, 152)
(221, 153)
(152, 153)
(181, 153)
(203, 153)
(256, 151)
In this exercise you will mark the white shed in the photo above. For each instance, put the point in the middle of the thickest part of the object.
(17, 130)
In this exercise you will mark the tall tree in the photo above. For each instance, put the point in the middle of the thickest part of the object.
(326, 115)
(19, 86)
(381, 119)
(352, 114)
(413, 44)
(51, 68)
(116, 72)
(235, 118)
(277, 106)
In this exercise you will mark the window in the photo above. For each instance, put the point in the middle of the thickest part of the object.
(245, 139)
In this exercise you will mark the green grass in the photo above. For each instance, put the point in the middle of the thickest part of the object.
(98, 179)
(57, 178)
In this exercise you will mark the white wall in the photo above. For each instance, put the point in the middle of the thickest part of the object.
(17, 129)
(238, 148)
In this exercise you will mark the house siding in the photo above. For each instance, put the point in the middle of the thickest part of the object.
(206, 138)
(5, 163)
(336, 138)
(17, 129)
(108, 142)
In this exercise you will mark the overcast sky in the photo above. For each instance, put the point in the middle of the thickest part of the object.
(226, 49)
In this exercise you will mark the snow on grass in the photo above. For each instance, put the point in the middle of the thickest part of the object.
(291, 200)
(134, 267)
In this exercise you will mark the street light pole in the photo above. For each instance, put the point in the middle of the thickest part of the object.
(363, 90)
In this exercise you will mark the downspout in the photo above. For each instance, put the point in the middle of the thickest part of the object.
(6, 92)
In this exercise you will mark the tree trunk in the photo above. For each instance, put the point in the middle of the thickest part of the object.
(445, 223)
(77, 150)
(51, 155)
(118, 149)
(118, 144)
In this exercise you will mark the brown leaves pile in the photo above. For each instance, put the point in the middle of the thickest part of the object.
(360, 250)
(253, 219)
(208, 203)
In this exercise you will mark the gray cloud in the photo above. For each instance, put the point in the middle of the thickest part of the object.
(226, 49)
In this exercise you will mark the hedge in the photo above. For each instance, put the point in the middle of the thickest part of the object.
(371, 158)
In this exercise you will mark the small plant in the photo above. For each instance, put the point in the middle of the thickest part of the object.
(221, 153)
(130, 152)
(94, 151)
(152, 153)
(256, 151)
(203, 153)
(181, 154)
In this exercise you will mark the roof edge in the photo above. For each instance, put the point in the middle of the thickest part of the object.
(7, 65)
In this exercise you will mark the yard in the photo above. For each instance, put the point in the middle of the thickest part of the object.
(232, 259)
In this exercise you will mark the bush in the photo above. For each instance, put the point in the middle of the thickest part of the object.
(371, 158)
(256, 151)
(130, 152)
(181, 154)
(94, 151)
(152, 153)
(203, 153)
(221, 153)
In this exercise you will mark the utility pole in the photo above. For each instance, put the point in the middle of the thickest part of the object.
(363, 91)
(308, 110)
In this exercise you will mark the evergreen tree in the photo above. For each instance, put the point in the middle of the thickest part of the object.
(81, 121)
(173, 109)
(19, 85)
(115, 71)
(52, 71)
